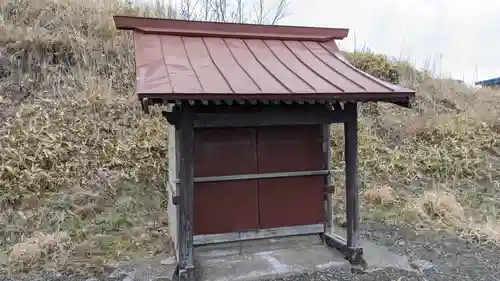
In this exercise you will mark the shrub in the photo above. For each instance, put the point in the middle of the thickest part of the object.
(376, 64)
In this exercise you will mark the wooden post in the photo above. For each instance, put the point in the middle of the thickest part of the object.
(352, 194)
(327, 152)
(186, 193)
(349, 247)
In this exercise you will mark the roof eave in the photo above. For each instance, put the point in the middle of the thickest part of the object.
(403, 99)
(492, 81)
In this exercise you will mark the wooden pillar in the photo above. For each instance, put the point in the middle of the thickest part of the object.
(352, 193)
(186, 193)
(327, 152)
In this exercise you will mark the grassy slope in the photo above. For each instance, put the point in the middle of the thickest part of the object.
(79, 159)
(81, 168)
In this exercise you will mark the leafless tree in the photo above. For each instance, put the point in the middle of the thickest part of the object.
(240, 11)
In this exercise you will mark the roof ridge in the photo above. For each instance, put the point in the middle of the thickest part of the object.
(228, 30)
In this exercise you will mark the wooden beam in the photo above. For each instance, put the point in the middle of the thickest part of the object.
(274, 116)
(258, 234)
(352, 193)
(186, 192)
(262, 176)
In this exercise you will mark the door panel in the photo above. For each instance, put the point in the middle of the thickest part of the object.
(222, 207)
(226, 206)
(289, 149)
(295, 200)
(291, 201)
(224, 152)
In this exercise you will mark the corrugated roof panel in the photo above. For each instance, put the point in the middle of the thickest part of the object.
(346, 71)
(179, 68)
(492, 81)
(294, 64)
(263, 78)
(321, 68)
(293, 82)
(209, 76)
(153, 78)
(147, 49)
(246, 62)
(236, 77)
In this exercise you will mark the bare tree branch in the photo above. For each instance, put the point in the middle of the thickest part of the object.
(259, 11)
(238, 14)
(188, 9)
(280, 11)
(163, 9)
(206, 9)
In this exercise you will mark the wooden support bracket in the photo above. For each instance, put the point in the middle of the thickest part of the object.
(173, 117)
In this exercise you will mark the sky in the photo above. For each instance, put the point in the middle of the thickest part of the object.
(451, 38)
(454, 38)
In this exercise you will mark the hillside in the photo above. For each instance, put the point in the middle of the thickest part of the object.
(82, 168)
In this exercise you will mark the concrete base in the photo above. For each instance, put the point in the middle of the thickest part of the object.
(266, 258)
(279, 257)
(376, 257)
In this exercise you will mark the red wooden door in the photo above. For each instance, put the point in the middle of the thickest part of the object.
(225, 206)
(290, 201)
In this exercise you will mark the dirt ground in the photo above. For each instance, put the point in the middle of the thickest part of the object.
(449, 258)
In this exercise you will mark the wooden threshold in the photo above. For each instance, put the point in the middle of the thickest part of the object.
(205, 239)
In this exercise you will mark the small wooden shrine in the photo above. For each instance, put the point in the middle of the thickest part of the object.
(249, 117)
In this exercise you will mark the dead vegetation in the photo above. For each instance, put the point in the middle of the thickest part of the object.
(82, 168)
(78, 159)
(437, 164)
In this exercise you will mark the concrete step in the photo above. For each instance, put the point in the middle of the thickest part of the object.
(265, 259)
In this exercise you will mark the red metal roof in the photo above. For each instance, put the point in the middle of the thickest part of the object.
(177, 60)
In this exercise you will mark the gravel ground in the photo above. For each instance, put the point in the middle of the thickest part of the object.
(452, 259)
(346, 275)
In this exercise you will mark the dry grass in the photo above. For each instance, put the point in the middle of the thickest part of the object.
(383, 195)
(82, 169)
(441, 160)
(77, 155)
(39, 247)
(437, 205)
